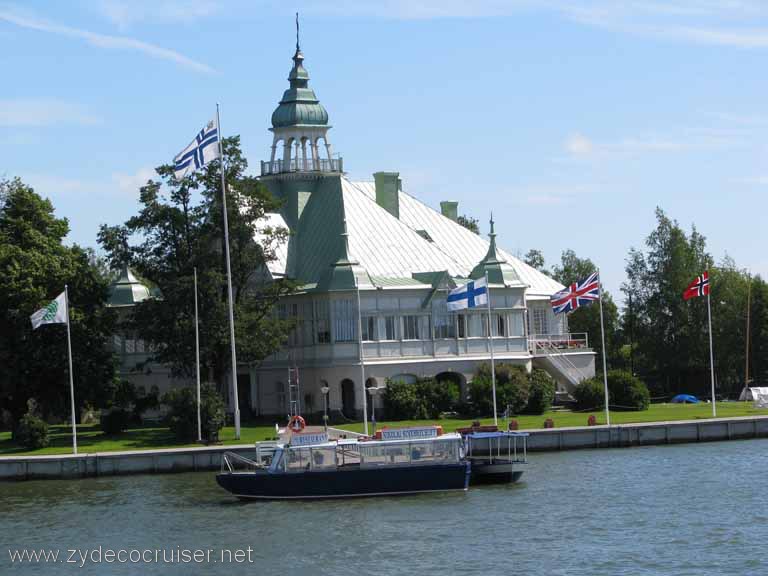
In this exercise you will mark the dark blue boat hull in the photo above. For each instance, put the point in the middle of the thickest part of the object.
(345, 483)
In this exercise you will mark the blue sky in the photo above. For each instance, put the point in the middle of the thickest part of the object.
(570, 120)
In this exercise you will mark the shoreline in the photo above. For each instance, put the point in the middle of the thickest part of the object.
(208, 458)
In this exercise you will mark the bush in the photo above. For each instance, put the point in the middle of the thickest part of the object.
(31, 432)
(541, 392)
(182, 413)
(589, 394)
(438, 397)
(115, 421)
(426, 398)
(627, 392)
(512, 389)
(401, 402)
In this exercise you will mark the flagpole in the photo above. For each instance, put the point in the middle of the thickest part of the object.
(605, 363)
(490, 347)
(362, 362)
(711, 355)
(229, 278)
(197, 365)
(71, 377)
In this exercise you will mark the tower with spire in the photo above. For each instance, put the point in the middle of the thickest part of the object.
(300, 128)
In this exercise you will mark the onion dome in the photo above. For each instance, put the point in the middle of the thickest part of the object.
(299, 106)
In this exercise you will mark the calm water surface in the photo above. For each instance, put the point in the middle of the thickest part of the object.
(693, 509)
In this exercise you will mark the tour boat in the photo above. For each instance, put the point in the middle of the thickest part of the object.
(497, 457)
(397, 461)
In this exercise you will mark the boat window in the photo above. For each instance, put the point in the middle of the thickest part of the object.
(323, 458)
(277, 461)
(298, 459)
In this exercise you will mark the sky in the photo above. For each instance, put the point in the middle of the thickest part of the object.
(570, 120)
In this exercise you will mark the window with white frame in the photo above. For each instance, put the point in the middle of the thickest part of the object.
(411, 327)
(344, 320)
(499, 324)
(516, 323)
(390, 327)
(322, 322)
(461, 325)
(540, 320)
(370, 325)
(445, 326)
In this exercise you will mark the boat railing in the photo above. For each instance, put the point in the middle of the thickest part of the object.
(493, 447)
(232, 462)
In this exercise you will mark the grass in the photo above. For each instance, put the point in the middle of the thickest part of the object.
(565, 419)
(91, 439)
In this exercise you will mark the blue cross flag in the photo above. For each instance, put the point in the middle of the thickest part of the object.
(474, 293)
(200, 151)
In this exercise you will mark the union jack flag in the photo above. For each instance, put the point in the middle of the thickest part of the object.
(578, 294)
(200, 151)
(699, 287)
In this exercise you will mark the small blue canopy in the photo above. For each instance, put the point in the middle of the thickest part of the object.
(685, 399)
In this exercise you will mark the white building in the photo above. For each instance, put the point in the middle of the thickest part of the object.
(375, 243)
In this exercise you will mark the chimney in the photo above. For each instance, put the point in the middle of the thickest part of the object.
(387, 191)
(450, 209)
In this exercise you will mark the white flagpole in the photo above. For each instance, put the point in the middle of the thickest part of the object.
(197, 365)
(490, 347)
(605, 363)
(711, 355)
(229, 278)
(71, 377)
(362, 359)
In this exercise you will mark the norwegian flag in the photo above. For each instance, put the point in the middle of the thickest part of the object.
(578, 294)
(699, 287)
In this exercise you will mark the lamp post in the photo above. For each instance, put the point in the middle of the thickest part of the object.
(325, 391)
(373, 390)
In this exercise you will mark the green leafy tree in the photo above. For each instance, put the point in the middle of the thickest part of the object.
(535, 259)
(179, 227)
(759, 332)
(34, 267)
(541, 392)
(512, 389)
(672, 345)
(587, 319)
(469, 223)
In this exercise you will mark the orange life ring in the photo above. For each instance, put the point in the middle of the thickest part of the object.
(296, 423)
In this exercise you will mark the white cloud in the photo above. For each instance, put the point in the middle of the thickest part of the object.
(578, 145)
(43, 112)
(104, 40)
(131, 183)
(126, 13)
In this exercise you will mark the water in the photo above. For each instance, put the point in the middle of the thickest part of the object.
(687, 510)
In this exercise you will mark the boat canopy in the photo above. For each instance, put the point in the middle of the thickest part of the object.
(498, 434)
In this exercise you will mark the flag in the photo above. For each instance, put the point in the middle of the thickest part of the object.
(54, 313)
(200, 151)
(474, 293)
(699, 287)
(578, 294)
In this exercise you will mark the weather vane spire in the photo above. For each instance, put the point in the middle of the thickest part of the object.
(297, 31)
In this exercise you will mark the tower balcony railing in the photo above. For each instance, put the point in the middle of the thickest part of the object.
(301, 165)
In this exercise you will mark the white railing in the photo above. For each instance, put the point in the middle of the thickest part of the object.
(302, 165)
(559, 343)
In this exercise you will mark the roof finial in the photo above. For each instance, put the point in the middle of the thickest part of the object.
(492, 232)
(297, 32)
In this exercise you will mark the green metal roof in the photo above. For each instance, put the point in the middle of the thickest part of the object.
(299, 105)
(127, 290)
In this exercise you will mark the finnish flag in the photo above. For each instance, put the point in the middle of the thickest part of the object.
(203, 149)
(474, 293)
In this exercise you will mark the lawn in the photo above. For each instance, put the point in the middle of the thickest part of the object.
(564, 419)
(91, 439)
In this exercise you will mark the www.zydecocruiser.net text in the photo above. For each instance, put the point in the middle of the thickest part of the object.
(101, 555)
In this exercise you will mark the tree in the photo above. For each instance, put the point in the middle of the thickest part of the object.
(535, 259)
(587, 319)
(672, 345)
(34, 267)
(469, 223)
(178, 228)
